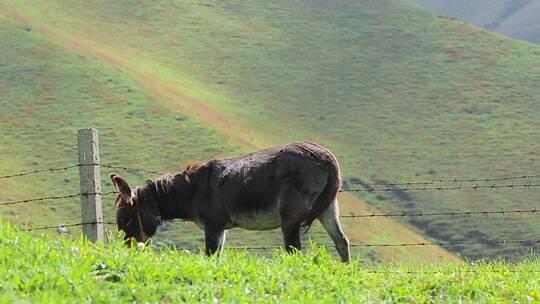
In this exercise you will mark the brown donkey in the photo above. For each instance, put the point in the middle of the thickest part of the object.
(287, 186)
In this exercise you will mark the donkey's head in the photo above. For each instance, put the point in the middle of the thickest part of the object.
(136, 213)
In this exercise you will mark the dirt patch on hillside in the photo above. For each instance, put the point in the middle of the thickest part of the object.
(160, 88)
(462, 27)
(165, 90)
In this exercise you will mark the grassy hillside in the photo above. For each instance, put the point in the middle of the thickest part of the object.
(56, 270)
(398, 93)
(48, 92)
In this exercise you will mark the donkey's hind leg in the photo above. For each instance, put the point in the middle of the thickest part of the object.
(330, 221)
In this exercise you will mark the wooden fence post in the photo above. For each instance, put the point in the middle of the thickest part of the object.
(90, 178)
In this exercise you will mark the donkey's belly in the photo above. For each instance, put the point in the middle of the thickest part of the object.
(257, 220)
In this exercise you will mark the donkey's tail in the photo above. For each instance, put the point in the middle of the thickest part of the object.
(325, 198)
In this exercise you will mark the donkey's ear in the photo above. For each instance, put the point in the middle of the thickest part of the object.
(123, 188)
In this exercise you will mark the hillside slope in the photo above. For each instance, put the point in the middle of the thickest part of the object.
(515, 18)
(49, 89)
(398, 93)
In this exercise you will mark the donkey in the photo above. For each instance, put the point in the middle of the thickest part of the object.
(288, 186)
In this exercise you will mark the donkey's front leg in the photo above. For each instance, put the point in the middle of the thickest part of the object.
(291, 238)
(215, 239)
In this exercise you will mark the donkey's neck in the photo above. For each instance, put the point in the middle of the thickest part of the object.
(174, 197)
(161, 193)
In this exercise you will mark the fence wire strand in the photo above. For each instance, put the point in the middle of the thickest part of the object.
(54, 197)
(36, 171)
(453, 180)
(462, 272)
(528, 186)
(420, 213)
(65, 168)
(387, 187)
(458, 243)
(132, 169)
(68, 225)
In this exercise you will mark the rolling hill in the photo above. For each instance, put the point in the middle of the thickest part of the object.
(398, 93)
(67, 91)
(517, 19)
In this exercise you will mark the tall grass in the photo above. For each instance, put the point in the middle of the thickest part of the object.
(49, 269)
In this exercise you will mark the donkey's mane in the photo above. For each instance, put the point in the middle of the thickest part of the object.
(161, 184)
(193, 166)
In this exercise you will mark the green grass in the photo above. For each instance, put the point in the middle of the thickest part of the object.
(60, 270)
(396, 92)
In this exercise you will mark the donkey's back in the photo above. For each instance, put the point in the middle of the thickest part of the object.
(265, 189)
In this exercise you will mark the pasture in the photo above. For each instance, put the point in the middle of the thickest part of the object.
(51, 269)
(434, 123)
(398, 93)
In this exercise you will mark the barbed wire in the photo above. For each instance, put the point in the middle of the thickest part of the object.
(36, 171)
(453, 180)
(399, 214)
(458, 243)
(466, 271)
(402, 213)
(420, 213)
(49, 170)
(461, 243)
(444, 155)
(54, 197)
(69, 225)
(391, 186)
(102, 222)
(131, 169)
(471, 180)
(444, 188)
(350, 216)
